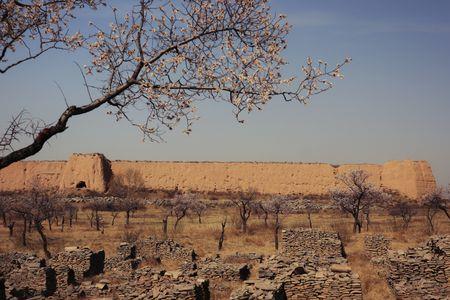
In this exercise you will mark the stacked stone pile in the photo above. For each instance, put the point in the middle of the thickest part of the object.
(311, 265)
(215, 268)
(152, 248)
(377, 247)
(126, 259)
(32, 278)
(338, 282)
(13, 260)
(319, 248)
(148, 284)
(421, 272)
(75, 264)
(259, 289)
(251, 258)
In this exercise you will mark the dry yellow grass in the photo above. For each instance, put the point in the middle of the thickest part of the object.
(203, 237)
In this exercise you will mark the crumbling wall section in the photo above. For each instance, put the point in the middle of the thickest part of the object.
(421, 272)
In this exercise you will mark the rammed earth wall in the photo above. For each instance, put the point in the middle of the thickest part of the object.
(411, 178)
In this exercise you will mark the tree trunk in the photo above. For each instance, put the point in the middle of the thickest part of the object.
(49, 220)
(24, 232)
(199, 218)
(30, 223)
(62, 223)
(430, 220)
(114, 216)
(176, 224)
(4, 219)
(38, 227)
(367, 221)
(277, 229)
(11, 228)
(266, 216)
(222, 235)
(244, 225)
(97, 221)
(309, 219)
(165, 219)
(127, 220)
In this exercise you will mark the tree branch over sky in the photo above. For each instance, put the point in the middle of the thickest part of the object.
(161, 58)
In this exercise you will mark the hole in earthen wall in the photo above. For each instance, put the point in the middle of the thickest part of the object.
(81, 185)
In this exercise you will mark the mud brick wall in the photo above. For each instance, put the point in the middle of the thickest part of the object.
(377, 247)
(152, 247)
(411, 178)
(421, 272)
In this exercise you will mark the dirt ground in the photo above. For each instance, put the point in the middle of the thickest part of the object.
(259, 239)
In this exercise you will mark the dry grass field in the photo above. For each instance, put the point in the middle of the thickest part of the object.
(259, 238)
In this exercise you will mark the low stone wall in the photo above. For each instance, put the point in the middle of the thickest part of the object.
(152, 248)
(32, 278)
(422, 272)
(314, 246)
(259, 289)
(377, 247)
(311, 265)
(75, 264)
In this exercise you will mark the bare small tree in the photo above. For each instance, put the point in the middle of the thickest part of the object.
(405, 211)
(129, 206)
(162, 57)
(310, 208)
(95, 216)
(6, 212)
(181, 206)
(199, 208)
(277, 206)
(222, 233)
(356, 195)
(244, 202)
(127, 186)
(434, 202)
(36, 206)
(262, 208)
(166, 206)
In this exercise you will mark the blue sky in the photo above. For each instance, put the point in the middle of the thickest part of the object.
(394, 102)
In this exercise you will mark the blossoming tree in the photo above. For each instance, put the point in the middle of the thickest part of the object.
(161, 57)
